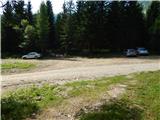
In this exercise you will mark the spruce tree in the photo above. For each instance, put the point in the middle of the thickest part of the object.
(19, 15)
(51, 37)
(80, 25)
(114, 24)
(9, 36)
(20, 12)
(65, 27)
(63, 30)
(91, 25)
(153, 20)
(153, 12)
(135, 29)
(43, 28)
(29, 13)
(155, 36)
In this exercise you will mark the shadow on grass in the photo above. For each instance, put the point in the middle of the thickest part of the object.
(11, 109)
(115, 110)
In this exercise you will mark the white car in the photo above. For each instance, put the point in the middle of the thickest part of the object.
(142, 51)
(31, 55)
(131, 52)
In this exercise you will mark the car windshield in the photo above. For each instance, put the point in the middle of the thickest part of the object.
(141, 49)
(32, 53)
(131, 50)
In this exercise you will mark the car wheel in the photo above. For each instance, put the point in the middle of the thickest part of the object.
(36, 57)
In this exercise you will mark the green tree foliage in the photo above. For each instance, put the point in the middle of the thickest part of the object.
(102, 25)
(155, 35)
(20, 12)
(126, 25)
(29, 13)
(9, 40)
(65, 23)
(153, 20)
(30, 36)
(70, 25)
(91, 22)
(135, 32)
(114, 16)
(153, 12)
(51, 20)
(91, 26)
(43, 28)
(19, 15)
(24, 23)
(88, 26)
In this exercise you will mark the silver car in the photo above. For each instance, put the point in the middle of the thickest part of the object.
(31, 55)
(131, 52)
(142, 51)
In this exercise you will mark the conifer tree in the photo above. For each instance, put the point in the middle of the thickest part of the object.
(29, 13)
(9, 38)
(51, 21)
(153, 12)
(20, 12)
(43, 28)
(153, 24)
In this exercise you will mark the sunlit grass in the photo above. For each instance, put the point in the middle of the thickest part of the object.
(141, 101)
(17, 65)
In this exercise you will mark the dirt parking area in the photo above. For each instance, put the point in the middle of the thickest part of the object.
(59, 71)
(63, 63)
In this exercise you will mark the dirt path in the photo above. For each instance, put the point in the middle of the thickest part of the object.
(74, 73)
(75, 62)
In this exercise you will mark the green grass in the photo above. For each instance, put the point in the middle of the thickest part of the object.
(148, 95)
(23, 102)
(93, 88)
(141, 102)
(114, 110)
(17, 65)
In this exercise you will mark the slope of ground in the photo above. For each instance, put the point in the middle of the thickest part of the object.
(135, 96)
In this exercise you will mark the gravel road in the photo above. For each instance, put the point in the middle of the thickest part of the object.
(61, 76)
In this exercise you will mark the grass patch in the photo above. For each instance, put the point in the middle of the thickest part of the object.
(147, 95)
(141, 102)
(93, 88)
(17, 65)
(114, 110)
(23, 102)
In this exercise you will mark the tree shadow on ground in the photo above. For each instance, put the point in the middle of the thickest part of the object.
(100, 56)
(115, 110)
(11, 109)
(68, 58)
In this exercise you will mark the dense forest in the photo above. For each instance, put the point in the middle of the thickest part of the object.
(84, 27)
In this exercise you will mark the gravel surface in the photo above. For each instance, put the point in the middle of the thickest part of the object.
(65, 74)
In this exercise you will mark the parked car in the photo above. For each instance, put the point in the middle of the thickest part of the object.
(142, 51)
(131, 52)
(31, 55)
